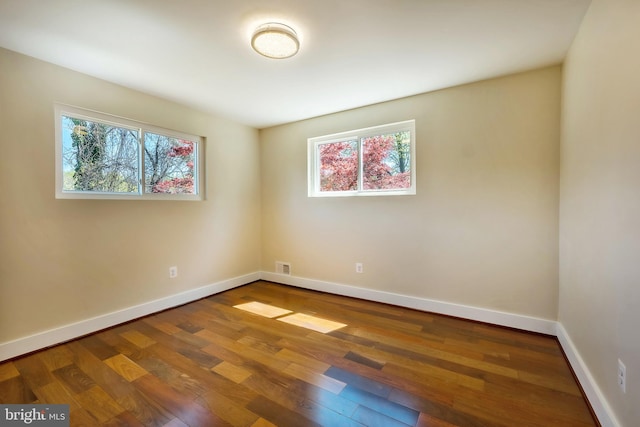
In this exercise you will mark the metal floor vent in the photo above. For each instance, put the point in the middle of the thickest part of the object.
(283, 268)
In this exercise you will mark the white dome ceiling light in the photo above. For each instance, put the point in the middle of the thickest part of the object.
(275, 40)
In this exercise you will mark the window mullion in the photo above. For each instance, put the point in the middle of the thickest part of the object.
(316, 172)
(360, 164)
(141, 162)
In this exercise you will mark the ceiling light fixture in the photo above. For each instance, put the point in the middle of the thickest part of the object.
(275, 40)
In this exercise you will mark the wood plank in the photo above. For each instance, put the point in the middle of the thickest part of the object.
(14, 390)
(359, 358)
(8, 371)
(182, 382)
(99, 372)
(175, 423)
(304, 360)
(127, 396)
(235, 373)
(233, 412)
(208, 363)
(315, 378)
(99, 404)
(137, 338)
(34, 371)
(56, 393)
(434, 390)
(371, 418)
(166, 327)
(125, 367)
(125, 419)
(278, 414)
(74, 379)
(298, 397)
(211, 379)
(444, 413)
(261, 422)
(186, 410)
(97, 347)
(189, 327)
(144, 409)
(57, 357)
(426, 420)
(80, 417)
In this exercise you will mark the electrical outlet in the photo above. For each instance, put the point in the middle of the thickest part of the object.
(359, 267)
(622, 376)
(173, 272)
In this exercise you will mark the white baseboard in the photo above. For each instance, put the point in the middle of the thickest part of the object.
(593, 393)
(64, 333)
(511, 320)
(595, 396)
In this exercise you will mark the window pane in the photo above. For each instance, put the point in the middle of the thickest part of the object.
(338, 166)
(169, 164)
(98, 157)
(386, 161)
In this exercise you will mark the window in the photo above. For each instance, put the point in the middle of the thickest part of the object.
(376, 161)
(105, 157)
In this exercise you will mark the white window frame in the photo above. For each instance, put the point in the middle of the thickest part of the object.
(313, 160)
(89, 115)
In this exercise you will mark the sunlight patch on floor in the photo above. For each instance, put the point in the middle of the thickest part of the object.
(261, 309)
(298, 319)
(311, 322)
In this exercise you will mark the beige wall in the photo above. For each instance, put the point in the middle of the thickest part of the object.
(600, 199)
(482, 229)
(63, 261)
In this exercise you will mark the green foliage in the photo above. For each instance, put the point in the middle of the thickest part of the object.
(104, 157)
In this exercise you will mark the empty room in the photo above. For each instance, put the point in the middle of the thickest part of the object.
(320, 213)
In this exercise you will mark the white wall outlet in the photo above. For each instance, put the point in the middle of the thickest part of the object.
(173, 272)
(359, 268)
(622, 376)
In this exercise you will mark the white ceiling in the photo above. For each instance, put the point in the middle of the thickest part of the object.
(353, 52)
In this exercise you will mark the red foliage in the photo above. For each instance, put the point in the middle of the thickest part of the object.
(338, 166)
(377, 174)
(184, 149)
(175, 186)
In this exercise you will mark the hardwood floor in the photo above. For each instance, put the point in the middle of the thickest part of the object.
(208, 364)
